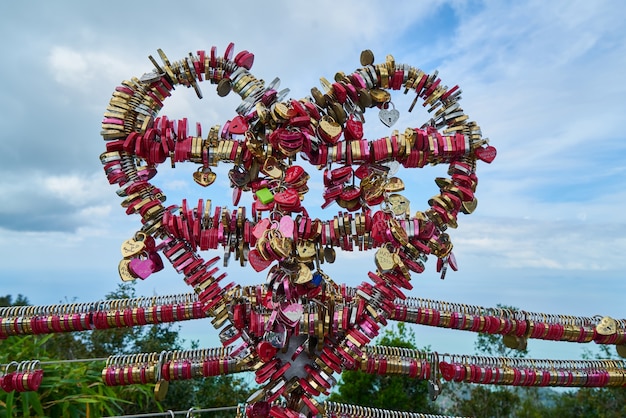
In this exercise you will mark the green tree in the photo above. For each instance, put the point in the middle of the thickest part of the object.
(386, 392)
(7, 300)
(67, 390)
(591, 402)
(605, 402)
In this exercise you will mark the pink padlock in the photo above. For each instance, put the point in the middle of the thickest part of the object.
(141, 267)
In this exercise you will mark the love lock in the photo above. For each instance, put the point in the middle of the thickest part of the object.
(141, 267)
(389, 117)
(204, 176)
(607, 326)
(295, 311)
(354, 129)
(239, 177)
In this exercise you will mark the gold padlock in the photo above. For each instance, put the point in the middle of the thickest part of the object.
(330, 129)
(304, 274)
(306, 250)
(124, 272)
(204, 176)
(271, 167)
(384, 260)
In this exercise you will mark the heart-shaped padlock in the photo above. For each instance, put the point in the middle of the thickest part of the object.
(389, 116)
(487, 154)
(257, 261)
(238, 176)
(141, 267)
(329, 130)
(238, 125)
(354, 129)
(607, 326)
(204, 176)
(289, 199)
(296, 176)
(139, 243)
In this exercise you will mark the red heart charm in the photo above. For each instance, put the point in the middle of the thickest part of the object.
(266, 351)
(354, 129)
(238, 125)
(34, 379)
(487, 154)
(288, 199)
(350, 193)
(293, 174)
(6, 382)
(447, 370)
(257, 261)
(244, 59)
(157, 261)
(341, 175)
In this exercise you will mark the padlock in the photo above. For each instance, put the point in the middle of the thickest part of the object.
(288, 200)
(139, 243)
(204, 176)
(272, 168)
(341, 174)
(354, 129)
(329, 130)
(389, 116)
(239, 177)
(264, 195)
(141, 266)
(295, 176)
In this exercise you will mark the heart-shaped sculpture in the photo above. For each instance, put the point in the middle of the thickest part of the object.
(298, 305)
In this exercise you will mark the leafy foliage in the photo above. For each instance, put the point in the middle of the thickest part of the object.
(76, 389)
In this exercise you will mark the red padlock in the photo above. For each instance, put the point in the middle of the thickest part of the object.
(259, 409)
(6, 381)
(341, 174)
(354, 129)
(288, 200)
(295, 176)
(350, 193)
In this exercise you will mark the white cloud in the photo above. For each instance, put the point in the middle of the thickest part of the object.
(86, 70)
(504, 244)
(75, 189)
(40, 201)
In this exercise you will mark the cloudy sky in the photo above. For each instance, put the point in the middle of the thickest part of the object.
(544, 80)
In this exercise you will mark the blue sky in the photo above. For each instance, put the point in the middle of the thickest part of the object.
(544, 80)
